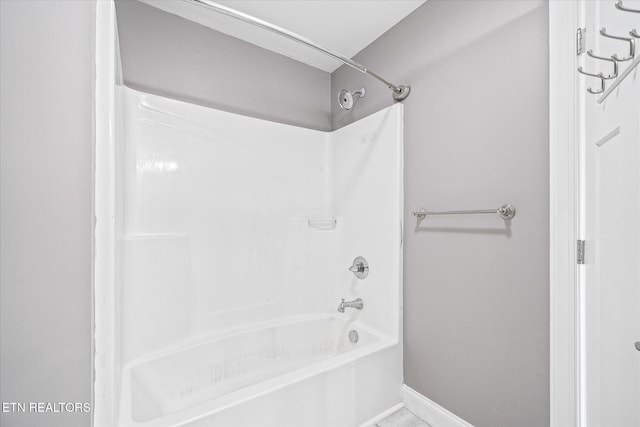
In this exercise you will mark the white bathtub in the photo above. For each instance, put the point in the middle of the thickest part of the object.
(220, 304)
(205, 381)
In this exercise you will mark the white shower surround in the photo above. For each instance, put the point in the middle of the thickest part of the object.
(215, 252)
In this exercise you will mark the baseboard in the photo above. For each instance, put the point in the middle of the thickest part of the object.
(429, 411)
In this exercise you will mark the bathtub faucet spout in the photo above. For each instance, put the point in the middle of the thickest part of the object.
(356, 303)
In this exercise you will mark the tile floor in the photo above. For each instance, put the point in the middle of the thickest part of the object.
(402, 418)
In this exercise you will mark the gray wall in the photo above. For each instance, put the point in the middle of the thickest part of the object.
(171, 56)
(476, 300)
(46, 139)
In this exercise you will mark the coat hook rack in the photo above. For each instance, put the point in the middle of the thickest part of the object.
(627, 71)
(620, 6)
(617, 76)
(599, 75)
(602, 58)
(631, 41)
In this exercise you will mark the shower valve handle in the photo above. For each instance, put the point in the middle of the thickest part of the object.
(360, 267)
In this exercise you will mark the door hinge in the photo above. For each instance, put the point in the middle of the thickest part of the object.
(580, 41)
(580, 251)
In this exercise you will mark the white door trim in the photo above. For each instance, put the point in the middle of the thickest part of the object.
(564, 119)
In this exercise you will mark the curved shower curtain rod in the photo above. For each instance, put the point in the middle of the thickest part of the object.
(399, 92)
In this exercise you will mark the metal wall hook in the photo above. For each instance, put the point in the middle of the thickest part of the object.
(615, 56)
(634, 33)
(631, 41)
(599, 75)
(619, 6)
(612, 60)
(601, 90)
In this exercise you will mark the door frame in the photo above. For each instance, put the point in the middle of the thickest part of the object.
(565, 115)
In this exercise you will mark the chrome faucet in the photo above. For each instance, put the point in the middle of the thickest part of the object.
(356, 303)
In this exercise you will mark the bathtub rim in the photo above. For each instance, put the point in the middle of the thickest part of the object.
(242, 395)
(205, 339)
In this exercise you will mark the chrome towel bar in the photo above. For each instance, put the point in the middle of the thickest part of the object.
(505, 212)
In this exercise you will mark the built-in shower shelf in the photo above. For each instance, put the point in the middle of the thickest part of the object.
(322, 224)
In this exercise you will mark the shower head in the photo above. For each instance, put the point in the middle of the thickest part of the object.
(347, 100)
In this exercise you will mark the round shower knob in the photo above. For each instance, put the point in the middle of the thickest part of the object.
(360, 267)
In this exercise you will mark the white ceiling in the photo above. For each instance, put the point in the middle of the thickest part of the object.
(345, 26)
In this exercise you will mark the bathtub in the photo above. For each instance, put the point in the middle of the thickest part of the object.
(214, 381)
(219, 308)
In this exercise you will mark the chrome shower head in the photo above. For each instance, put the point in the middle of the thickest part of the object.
(347, 100)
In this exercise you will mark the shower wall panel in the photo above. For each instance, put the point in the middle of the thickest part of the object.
(215, 211)
(366, 197)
